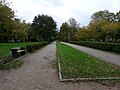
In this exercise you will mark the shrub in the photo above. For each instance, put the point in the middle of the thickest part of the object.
(4, 60)
(115, 47)
(11, 65)
(31, 48)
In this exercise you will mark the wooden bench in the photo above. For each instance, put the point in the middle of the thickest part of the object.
(17, 52)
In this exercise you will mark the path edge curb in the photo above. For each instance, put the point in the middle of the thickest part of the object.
(81, 79)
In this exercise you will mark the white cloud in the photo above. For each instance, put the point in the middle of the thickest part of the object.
(62, 10)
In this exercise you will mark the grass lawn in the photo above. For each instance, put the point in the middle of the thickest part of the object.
(6, 47)
(77, 64)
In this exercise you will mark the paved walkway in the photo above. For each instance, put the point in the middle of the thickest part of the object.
(103, 55)
(37, 73)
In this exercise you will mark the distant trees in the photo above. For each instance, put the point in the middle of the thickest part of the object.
(43, 28)
(104, 26)
(103, 15)
(64, 32)
(6, 20)
(82, 34)
(12, 29)
(73, 27)
(20, 30)
(68, 30)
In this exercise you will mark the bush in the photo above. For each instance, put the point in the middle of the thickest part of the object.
(4, 60)
(114, 47)
(11, 65)
(31, 48)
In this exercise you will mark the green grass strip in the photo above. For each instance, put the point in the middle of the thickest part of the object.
(5, 48)
(77, 64)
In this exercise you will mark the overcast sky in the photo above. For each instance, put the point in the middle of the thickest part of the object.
(62, 10)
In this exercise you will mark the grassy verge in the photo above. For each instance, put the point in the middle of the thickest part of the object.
(5, 47)
(77, 64)
(12, 65)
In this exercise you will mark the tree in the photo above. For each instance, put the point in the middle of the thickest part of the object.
(104, 27)
(117, 17)
(73, 27)
(106, 24)
(64, 32)
(103, 30)
(113, 31)
(103, 15)
(44, 27)
(82, 34)
(6, 21)
(117, 35)
(20, 30)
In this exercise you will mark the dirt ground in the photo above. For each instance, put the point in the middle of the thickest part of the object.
(37, 73)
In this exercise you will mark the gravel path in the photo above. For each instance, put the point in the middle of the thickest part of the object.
(37, 73)
(103, 55)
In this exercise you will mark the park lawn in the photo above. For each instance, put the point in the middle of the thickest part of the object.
(6, 47)
(77, 64)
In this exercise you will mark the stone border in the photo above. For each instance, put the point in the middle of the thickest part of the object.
(82, 79)
(20, 57)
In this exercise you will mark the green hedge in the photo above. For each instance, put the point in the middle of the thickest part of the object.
(4, 60)
(31, 48)
(114, 47)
